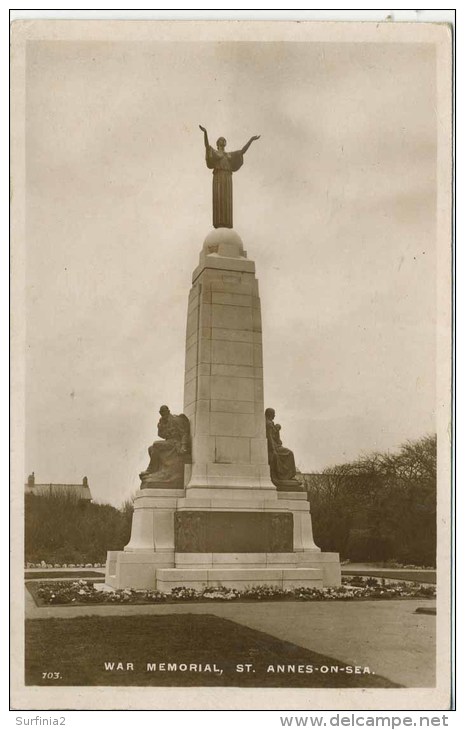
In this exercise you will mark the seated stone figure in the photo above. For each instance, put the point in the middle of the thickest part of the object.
(167, 457)
(280, 459)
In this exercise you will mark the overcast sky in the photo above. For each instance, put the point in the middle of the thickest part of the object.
(335, 204)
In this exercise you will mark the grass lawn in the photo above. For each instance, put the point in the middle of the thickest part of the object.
(425, 576)
(77, 649)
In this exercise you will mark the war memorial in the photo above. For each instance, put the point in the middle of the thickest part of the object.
(219, 503)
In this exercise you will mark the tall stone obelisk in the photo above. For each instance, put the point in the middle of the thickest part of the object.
(223, 391)
(227, 524)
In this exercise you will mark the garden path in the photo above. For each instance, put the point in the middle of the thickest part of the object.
(387, 636)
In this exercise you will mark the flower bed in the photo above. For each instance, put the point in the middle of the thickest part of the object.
(355, 588)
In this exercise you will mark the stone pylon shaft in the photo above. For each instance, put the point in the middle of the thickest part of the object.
(223, 391)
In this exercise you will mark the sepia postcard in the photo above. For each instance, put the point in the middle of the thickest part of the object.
(231, 342)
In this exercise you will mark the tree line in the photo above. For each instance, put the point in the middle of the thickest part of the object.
(60, 528)
(380, 507)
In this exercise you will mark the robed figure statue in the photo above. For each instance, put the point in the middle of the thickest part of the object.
(167, 457)
(223, 165)
(280, 459)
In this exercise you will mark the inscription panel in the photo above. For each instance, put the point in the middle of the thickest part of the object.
(233, 532)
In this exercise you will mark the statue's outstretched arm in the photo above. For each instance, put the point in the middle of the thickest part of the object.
(205, 136)
(246, 146)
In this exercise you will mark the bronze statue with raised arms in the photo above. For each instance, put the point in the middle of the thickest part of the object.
(223, 165)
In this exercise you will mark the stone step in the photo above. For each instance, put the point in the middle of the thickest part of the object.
(168, 578)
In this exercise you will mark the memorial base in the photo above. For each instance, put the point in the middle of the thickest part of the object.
(227, 523)
(180, 541)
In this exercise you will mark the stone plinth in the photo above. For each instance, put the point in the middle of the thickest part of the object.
(153, 548)
(152, 541)
(135, 570)
(152, 522)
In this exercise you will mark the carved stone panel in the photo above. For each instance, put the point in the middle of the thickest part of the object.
(190, 532)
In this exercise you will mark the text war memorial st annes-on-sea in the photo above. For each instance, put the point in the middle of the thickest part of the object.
(219, 503)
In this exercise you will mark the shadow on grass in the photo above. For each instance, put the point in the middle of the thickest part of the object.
(77, 650)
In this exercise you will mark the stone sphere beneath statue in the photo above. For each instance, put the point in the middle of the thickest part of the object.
(224, 242)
